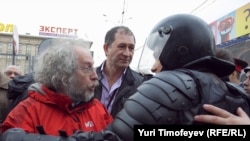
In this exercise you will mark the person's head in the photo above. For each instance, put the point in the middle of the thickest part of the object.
(179, 39)
(239, 66)
(246, 81)
(224, 54)
(67, 67)
(12, 71)
(119, 46)
(227, 55)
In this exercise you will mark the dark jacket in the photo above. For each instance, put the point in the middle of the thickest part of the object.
(18, 89)
(128, 87)
(4, 102)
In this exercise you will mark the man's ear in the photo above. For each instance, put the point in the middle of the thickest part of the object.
(105, 48)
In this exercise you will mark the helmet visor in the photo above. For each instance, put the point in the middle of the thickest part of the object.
(151, 51)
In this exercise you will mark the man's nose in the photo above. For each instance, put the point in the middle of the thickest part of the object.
(94, 75)
(127, 52)
(245, 83)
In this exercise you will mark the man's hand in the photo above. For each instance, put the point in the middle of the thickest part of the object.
(222, 117)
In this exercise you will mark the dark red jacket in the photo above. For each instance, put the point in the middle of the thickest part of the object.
(53, 111)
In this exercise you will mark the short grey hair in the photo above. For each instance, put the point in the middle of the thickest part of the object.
(110, 35)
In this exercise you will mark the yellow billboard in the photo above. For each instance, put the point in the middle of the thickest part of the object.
(243, 20)
(6, 27)
(232, 25)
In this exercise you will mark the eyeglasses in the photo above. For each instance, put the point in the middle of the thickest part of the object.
(87, 69)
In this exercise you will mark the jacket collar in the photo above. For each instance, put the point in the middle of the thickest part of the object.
(45, 95)
(128, 76)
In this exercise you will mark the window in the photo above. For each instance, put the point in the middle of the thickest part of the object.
(1, 47)
(10, 46)
(8, 63)
(36, 52)
(18, 57)
(20, 49)
(28, 49)
(27, 65)
(9, 57)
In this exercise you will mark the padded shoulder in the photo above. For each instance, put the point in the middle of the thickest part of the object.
(162, 96)
(173, 89)
(161, 100)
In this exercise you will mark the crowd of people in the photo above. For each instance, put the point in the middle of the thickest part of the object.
(69, 97)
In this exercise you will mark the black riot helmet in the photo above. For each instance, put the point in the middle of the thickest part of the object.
(178, 40)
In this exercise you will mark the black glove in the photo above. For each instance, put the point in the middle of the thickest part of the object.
(17, 134)
(105, 135)
(14, 134)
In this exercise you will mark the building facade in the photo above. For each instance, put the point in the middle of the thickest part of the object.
(25, 57)
(27, 53)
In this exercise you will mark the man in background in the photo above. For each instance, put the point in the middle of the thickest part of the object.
(239, 66)
(4, 102)
(117, 80)
(246, 80)
(12, 71)
(227, 55)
